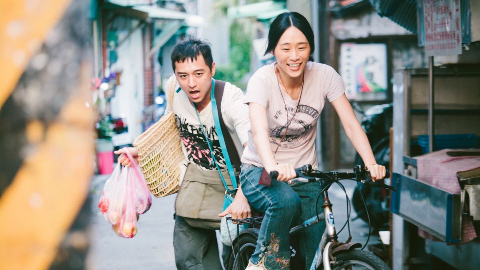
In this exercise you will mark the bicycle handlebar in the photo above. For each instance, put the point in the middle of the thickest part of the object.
(359, 174)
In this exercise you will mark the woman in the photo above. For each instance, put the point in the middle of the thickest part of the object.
(285, 100)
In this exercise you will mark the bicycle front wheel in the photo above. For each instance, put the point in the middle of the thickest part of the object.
(359, 260)
(243, 249)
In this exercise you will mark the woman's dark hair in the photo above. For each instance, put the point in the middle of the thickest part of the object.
(191, 48)
(285, 21)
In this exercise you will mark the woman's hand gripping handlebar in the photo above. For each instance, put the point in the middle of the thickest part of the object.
(359, 174)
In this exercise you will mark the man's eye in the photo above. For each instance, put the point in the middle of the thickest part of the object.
(183, 76)
(302, 48)
(199, 74)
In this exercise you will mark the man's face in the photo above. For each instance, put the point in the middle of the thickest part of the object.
(195, 79)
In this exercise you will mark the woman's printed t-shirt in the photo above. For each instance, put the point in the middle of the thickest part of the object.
(298, 148)
(194, 144)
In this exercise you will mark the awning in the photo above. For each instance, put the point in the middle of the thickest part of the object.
(163, 13)
(404, 13)
(155, 12)
(262, 11)
(174, 20)
(167, 32)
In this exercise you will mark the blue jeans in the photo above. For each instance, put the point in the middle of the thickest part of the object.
(283, 206)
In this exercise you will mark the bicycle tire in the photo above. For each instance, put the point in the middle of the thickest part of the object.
(358, 260)
(243, 248)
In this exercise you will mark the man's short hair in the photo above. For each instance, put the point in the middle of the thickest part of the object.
(191, 48)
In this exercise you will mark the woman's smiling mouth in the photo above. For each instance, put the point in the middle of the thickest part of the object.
(294, 66)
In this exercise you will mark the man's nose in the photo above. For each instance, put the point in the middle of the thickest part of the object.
(191, 82)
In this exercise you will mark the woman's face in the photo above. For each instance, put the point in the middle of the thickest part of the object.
(292, 53)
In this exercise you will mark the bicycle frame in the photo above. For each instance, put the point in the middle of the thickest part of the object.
(329, 244)
(329, 236)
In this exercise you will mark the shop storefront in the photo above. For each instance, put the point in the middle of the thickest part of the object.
(435, 137)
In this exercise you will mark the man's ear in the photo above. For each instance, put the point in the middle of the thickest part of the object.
(213, 69)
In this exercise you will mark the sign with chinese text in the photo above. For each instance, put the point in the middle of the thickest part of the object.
(443, 27)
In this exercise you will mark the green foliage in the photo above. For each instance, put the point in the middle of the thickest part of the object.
(240, 53)
(104, 129)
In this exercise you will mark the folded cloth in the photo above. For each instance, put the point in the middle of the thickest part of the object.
(440, 170)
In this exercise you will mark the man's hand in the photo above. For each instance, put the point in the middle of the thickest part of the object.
(239, 208)
(123, 159)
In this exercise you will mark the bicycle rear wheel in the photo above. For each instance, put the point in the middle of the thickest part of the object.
(243, 249)
(359, 260)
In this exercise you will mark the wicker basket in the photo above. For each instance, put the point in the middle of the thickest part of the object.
(160, 153)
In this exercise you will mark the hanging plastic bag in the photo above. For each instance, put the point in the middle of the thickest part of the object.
(125, 196)
(117, 203)
(128, 222)
(143, 198)
(108, 191)
(229, 231)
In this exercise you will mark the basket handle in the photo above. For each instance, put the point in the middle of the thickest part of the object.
(171, 91)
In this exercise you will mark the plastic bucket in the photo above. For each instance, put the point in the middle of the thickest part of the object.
(104, 156)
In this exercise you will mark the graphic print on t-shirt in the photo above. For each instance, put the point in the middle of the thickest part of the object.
(304, 121)
(196, 145)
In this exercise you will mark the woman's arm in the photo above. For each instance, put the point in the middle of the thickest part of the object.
(357, 136)
(259, 123)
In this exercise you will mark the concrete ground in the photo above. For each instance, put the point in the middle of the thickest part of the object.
(152, 248)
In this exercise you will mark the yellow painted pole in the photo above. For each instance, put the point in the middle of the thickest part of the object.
(23, 27)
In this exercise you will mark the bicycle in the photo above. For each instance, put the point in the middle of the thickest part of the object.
(330, 254)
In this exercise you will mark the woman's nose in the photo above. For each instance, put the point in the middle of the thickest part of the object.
(294, 55)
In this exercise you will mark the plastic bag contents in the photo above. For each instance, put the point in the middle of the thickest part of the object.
(109, 191)
(128, 221)
(143, 198)
(125, 196)
(117, 203)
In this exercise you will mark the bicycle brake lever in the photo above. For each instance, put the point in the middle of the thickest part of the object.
(376, 184)
(383, 185)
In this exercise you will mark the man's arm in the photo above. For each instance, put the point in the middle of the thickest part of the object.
(235, 113)
(236, 116)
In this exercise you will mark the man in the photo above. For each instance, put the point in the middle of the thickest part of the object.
(192, 62)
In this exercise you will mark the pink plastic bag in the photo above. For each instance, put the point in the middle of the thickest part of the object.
(108, 190)
(117, 202)
(125, 196)
(143, 198)
(127, 227)
(112, 202)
